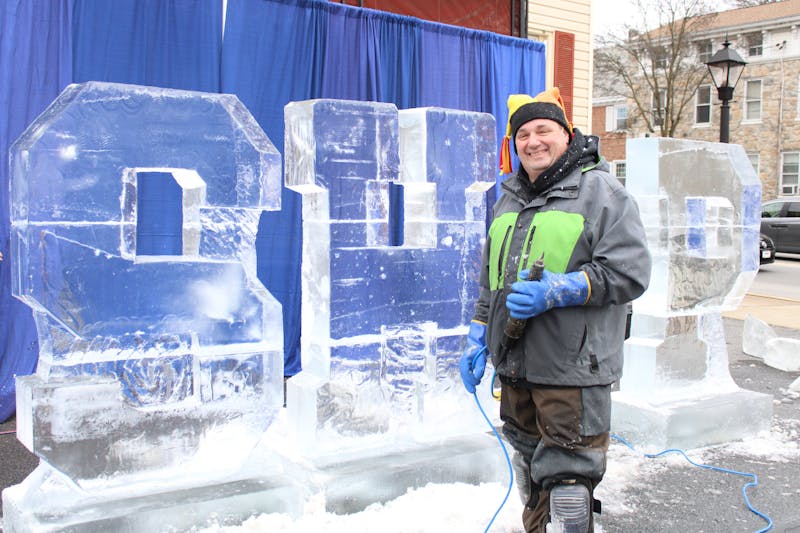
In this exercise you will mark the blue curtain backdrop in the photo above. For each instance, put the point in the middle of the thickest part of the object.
(273, 52)
(164, 43)
(35, 64)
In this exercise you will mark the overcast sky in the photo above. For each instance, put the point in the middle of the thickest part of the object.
(608, 14)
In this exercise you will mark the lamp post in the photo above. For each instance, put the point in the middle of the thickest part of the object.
(725, 67)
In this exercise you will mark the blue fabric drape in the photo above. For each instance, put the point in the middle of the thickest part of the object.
(400, 63)
(278, 51)
(356, 73)
(514, 69)
(452, 68)
(163, 43)
(35, 65)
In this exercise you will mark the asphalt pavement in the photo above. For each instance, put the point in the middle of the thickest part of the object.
(669, 494)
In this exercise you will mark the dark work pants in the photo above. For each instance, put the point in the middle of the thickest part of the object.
(562, 431)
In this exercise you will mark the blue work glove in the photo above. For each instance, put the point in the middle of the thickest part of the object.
(473, 363)
(531, 298)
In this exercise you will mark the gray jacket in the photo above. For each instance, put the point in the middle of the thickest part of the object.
(587, 221)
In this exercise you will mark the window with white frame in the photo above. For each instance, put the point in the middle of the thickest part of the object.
(752, 100)
(618, 169)
(790, 163)
(704, 51)
(658, 107)
(755, 43)
(702, 105)
(753, 157)
(616, 117)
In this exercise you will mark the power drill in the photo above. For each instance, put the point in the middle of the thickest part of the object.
(515, 326)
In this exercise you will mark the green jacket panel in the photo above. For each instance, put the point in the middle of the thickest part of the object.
(552, 235)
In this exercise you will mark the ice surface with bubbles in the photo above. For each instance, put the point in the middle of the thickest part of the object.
(395, 206)
(700, 205)
(134, 221)
(134, 213)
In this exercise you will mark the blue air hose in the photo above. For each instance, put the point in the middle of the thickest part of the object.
(752, 483)
(503, 446)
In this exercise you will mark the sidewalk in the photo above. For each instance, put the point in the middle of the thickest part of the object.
(781, 312)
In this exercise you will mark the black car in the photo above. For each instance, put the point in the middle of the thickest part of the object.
(780, 221)
(766, 250)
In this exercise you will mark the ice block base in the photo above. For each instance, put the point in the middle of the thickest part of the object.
(690, 423)
(46, 502)
(351, 485)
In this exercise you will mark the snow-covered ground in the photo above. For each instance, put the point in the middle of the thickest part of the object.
(470, 508)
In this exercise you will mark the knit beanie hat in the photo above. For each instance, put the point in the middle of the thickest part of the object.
(523, 108)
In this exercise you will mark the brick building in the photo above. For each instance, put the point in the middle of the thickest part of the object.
(765, 110)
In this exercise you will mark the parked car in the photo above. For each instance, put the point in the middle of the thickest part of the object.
(780, 221)
(766, 250)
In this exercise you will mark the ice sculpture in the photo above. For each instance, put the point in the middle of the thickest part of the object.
(700, 204)
(161, 359)
(761, 341)
(394, 215)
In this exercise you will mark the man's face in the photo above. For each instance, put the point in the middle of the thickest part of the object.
(540, 142)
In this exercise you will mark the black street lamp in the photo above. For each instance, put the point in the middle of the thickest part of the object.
(726, 68)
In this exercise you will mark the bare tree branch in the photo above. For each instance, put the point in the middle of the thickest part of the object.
(654, 64)
(751, 3)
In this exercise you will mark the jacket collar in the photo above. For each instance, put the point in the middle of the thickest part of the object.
(567, 187)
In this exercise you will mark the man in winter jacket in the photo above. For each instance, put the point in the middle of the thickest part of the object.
(564, 208)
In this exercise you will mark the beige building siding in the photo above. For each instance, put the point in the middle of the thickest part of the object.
(545, 17)
(768, 136)
(776, 132)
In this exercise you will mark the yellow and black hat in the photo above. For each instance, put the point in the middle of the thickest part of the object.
(523, 108)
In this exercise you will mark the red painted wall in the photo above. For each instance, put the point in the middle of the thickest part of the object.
(489, 15)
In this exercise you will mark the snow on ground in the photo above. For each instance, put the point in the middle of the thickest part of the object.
(462, 507)
(433, 508)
